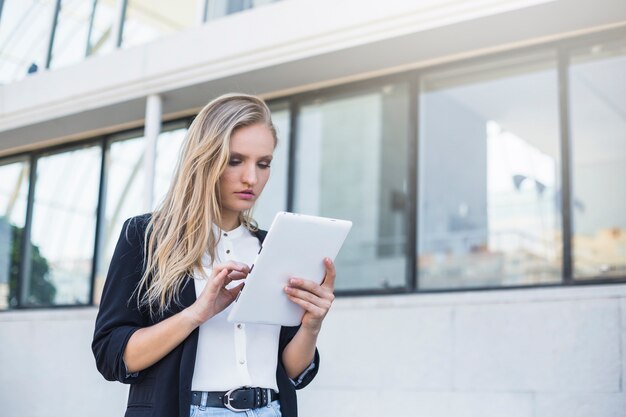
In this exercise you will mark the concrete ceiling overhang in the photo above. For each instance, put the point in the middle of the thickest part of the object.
(504, 31)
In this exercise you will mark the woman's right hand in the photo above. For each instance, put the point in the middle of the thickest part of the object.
(215, 297)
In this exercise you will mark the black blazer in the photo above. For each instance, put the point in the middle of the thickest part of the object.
(163, 389)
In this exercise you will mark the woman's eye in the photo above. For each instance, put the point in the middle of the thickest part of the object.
(264, 166)
(234, 162)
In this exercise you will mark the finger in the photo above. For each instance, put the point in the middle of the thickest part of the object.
(237, 275)
(232, 266)
(331, 273)
(310, 307)
(308, 285)
(322, 303)
(221, 279)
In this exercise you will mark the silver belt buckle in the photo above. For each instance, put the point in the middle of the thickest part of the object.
(227, 399)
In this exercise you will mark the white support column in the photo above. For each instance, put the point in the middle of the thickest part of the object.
(154, 107)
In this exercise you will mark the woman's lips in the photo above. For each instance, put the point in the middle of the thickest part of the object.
(245, 195)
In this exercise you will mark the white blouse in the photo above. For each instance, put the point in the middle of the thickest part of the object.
(232, 355)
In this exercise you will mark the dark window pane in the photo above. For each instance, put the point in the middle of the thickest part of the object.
(489, 211)
(13, 200)
(63, 227)
(351, 164)
(597, 79)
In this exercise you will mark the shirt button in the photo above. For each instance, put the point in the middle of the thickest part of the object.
(227, 250)
(241, 362)
(226, 234)
(239, 326)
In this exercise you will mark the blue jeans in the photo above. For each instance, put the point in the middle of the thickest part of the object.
(271, 410)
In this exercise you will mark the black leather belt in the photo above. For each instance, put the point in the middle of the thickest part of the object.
(239, 399)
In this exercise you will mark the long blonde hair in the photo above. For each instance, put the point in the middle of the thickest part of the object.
(180, 230)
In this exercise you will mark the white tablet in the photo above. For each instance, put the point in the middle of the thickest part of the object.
(295, 245)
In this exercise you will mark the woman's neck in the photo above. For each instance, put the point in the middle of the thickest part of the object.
(230, 221)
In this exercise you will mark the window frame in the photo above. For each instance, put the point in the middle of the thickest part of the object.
(563, 50)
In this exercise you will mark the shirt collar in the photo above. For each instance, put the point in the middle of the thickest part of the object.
(236, 232)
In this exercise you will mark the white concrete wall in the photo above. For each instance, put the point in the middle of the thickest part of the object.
(524, 353)
(554, 352)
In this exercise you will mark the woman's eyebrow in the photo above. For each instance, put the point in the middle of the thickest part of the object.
(242, 156)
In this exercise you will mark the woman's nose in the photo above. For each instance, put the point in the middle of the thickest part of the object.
(249, 175)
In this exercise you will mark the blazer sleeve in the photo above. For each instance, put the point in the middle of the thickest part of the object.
(118, 316)
(286, 334)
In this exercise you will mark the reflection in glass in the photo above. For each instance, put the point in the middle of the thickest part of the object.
(24, 34)
(70, 36)
(124, 189)
(220, 8)
(149, 19)
(351, 164)
(274, 196)
(168, 148)
(63, 226)
(13, 198)
(489, 166)
(597, 78)
(73, 37)
(101, 38)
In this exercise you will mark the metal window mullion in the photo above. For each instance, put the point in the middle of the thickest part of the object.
(92, 18)
(118, 25)
(294, 111)
(55, 20)
(100, 219)
(413, 185)
(566, 159)
(25, 261)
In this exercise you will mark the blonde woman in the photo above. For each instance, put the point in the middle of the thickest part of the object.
(162, 327)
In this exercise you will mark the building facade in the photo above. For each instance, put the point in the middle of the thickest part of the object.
(478, 146)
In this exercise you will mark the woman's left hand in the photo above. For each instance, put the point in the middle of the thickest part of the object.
(316, 299)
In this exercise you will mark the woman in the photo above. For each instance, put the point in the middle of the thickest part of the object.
(162, 323)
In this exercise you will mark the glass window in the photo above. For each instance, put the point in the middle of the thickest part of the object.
(124, 186)
(169, 144)
(149, 19)
(220, 8)
(24, 34)
(83, 28)
(70, 36)
(489, 183)
(274, 196)
(101, 37)
(63, 227)
(351, 164)
(13, 200)
(597, 79)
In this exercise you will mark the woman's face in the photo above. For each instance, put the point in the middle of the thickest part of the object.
(248, 169)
